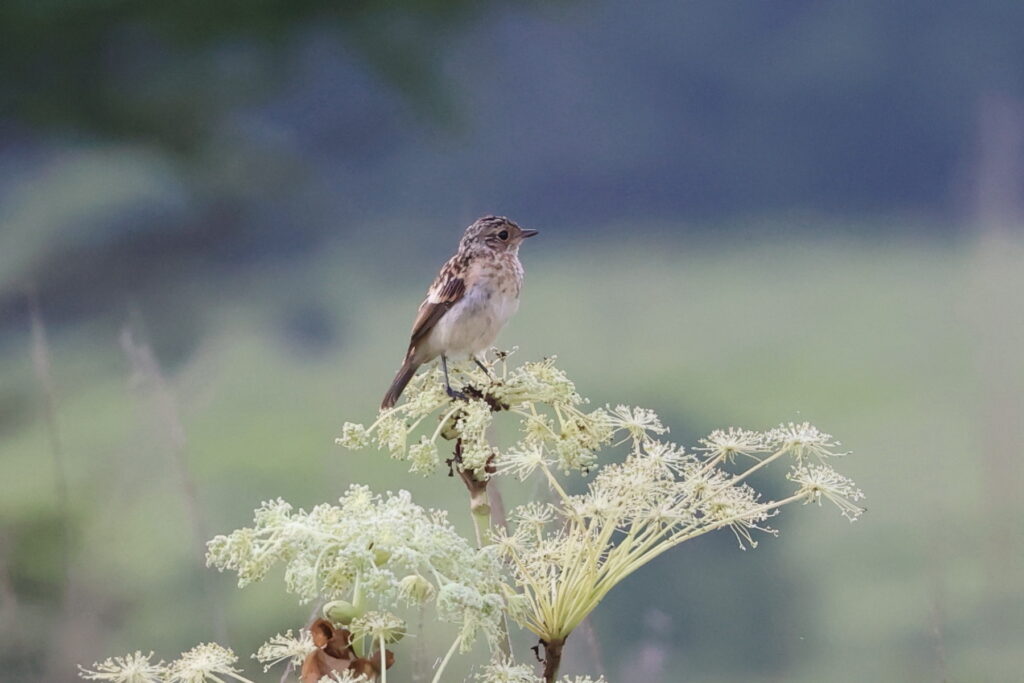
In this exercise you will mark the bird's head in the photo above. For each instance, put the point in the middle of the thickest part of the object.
(495, 233)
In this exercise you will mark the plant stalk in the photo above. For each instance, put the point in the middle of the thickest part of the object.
(480, 507)
(444, 662)
(552, 659)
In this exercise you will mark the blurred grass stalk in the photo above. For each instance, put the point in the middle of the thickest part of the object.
(148, 376)
(43, 369)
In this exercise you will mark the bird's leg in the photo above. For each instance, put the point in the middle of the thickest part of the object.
(447, 384)
(487, 370)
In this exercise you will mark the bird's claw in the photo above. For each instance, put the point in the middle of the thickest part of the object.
(457, 395)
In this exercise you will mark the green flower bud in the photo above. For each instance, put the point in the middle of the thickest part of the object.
(381, 557)
(416, 589)
(341, 612)
(450, 430)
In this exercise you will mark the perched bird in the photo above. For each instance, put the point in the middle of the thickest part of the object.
(473, 297)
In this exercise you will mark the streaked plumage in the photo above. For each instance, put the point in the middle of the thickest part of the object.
(474, 295)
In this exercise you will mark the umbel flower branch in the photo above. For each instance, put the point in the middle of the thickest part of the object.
(371, 557)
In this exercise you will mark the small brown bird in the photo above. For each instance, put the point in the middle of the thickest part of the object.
(473, 297)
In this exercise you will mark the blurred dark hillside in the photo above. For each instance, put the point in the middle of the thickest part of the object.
(140, 138)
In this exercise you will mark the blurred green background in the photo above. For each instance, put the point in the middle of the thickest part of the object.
(216, 222)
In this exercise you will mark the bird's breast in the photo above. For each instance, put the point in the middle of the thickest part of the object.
(473, 323)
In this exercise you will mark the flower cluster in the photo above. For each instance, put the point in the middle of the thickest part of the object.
(206, 662)
(801, 440)
(821, 481)
(565, 557)
(285, 648)
(555, 425)
(133, 668)
(369, 554)
(506, 671)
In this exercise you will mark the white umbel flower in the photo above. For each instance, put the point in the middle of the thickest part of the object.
(726, 444)
(506, 671)
(803, 441)
(821, 481)
(203, 663)
(285, 648)
(133, 668)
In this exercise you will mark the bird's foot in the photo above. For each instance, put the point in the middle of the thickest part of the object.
(457, 395)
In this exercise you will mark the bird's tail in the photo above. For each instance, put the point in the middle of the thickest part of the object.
(405, 374)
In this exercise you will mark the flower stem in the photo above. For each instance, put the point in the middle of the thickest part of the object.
(552, 659)
(480, 507)
(444, 662)
(383, 662)
(482, 524)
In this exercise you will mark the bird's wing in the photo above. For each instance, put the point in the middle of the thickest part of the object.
(445, 292)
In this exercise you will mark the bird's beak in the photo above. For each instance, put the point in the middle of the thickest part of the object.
(530, 233)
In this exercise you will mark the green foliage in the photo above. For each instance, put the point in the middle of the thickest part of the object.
(166, 70)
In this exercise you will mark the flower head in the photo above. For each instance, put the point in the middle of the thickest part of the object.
(667, 457)
(537, 382)
(133, 668)
(285, 648)
(506, 671)
(727, 444)
(204, 663)
(346, 676)
(522, 462)
(534, 515)
(423, 457)
(803, 441)
(737, 507)
(353, 436)
(639, 422)
(377, 626)
(821, 481)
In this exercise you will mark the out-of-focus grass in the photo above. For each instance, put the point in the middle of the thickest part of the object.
(908, 352)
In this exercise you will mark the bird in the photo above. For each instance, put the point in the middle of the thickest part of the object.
(473, 296)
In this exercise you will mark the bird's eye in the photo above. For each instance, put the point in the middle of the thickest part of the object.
(503, 235)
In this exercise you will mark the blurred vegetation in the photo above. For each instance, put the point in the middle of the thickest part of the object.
(863, 107)
(256, 191)
(140, 136)
(166, 71)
